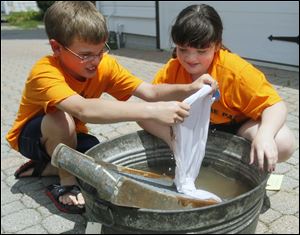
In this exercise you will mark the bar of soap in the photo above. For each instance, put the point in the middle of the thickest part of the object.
(274, 182)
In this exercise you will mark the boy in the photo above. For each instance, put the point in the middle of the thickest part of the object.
(62, 94)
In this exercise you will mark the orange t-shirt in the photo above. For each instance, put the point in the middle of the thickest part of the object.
(245, 92)
(47, 85)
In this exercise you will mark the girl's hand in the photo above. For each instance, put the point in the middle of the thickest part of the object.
(263, 148)
(206, 79)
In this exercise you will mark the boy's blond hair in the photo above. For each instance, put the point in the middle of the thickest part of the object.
(67, 20)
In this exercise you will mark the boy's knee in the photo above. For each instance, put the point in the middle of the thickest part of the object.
(59, 123)
(58, 127)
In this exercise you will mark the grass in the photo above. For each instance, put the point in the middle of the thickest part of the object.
(25, 20)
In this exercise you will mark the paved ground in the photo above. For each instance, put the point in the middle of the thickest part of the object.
(24, 206)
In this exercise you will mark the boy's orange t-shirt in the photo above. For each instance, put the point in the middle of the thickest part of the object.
(47, 85)
(245, 92)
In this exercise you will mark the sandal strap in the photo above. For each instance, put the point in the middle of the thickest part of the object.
(75, 190)
(59, 190)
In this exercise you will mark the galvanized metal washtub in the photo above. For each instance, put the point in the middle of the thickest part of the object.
(226, 153)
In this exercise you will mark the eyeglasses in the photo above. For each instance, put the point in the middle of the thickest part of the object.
(89, 58)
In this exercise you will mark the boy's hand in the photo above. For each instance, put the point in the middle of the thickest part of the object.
(205, 79)
(169, 113)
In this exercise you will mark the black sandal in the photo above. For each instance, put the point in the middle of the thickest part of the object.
(54, 191)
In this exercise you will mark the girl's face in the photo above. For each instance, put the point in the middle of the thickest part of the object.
(196, 61)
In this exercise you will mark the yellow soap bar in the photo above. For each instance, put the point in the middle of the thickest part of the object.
(274, 182)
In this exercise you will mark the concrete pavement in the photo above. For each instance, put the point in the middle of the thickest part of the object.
(24, 206)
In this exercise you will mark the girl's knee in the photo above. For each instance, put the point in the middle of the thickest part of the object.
(248, 130)
(286, 144)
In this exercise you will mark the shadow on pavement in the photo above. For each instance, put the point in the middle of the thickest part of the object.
(154, 55)
(280, 77)
(35, 189)
(20, 34)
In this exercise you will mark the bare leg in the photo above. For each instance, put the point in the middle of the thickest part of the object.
(284, 139)
(59, 127)
(161, 131)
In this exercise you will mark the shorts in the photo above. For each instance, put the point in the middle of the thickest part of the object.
(30, 141)
(229, 128)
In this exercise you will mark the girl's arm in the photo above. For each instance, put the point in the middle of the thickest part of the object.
(263, 144)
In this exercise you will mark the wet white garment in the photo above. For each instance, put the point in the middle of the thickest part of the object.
(190, 142)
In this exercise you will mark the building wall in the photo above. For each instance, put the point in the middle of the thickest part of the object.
(247, 26)
(134, 20)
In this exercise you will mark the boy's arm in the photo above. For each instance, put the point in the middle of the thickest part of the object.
(166, 92)
(105, 111)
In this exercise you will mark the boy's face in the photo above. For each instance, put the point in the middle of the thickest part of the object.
(196, 61)
(80, 59)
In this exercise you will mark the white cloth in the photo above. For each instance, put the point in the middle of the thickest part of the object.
(190, 142)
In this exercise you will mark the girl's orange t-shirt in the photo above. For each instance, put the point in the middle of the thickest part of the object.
(245, 91)
(47, 85)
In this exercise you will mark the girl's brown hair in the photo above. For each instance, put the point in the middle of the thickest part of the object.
(197, 26)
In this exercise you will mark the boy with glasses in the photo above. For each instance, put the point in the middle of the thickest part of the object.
(62, 94)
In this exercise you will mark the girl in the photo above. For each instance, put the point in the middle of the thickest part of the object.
(249, 106)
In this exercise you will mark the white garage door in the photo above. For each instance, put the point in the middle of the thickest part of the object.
(248, 27)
